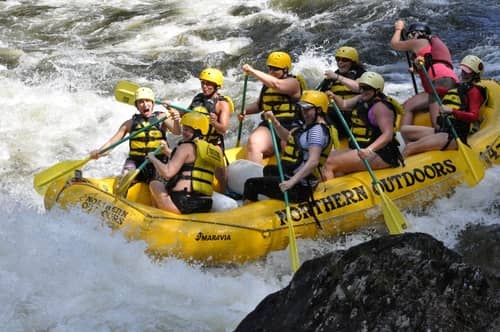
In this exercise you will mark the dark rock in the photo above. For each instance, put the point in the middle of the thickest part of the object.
(410, 282)
(480, 245)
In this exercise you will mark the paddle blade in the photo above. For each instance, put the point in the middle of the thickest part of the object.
(294, 253)
(42, 180)
(469, 164)
(394, 219)
(125, 92)
(126, 181)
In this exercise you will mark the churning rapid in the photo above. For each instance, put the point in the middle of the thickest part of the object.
(59, 63)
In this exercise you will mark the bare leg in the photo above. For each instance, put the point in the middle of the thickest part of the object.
(428, 143)
(434, 112)
(414, 133)
(259, 145)
(161, 198)
(413, 104)
(342, 162)
(221, 175)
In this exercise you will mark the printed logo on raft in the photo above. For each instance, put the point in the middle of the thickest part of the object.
(212, 237)
(357, 194)
(491, 152)
(108, 212)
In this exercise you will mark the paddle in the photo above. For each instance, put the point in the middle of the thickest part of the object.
(394, 219)
(294, 255)
(468, 162)
(42, 179)
(127, 180)
(125, 93)
(410, 65)
(242, 110)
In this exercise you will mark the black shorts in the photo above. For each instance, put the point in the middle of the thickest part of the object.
(190, 202)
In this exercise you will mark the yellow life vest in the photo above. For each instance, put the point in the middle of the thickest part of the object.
(208, 157)
(148, 140)
(282, 105)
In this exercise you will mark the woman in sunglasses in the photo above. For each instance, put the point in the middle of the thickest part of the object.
(306, 150)
(461, 104)
(437, 62)
(279, 94)
(373, 127)
(342, 82)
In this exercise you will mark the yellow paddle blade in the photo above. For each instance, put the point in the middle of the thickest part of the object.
(394, 219)
(42, 180)
(294, 253)
(125, 92)
(126, 181)
(469, 164)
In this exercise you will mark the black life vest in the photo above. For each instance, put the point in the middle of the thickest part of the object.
(204, 104)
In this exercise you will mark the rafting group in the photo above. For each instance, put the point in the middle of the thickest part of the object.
(302, 128)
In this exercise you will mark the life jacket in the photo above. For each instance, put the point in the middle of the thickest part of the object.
(439, 54)
(147, 141)
(206, 105)
(202, 170)
(457, 99)
(282, 105)
(293, 154)
(340, 89)
(364, 132)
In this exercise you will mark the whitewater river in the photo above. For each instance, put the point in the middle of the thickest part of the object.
(59, 63)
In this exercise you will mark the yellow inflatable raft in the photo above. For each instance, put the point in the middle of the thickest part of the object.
(250, 232)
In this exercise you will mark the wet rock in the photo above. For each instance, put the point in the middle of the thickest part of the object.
(480, 245)
(410, 282)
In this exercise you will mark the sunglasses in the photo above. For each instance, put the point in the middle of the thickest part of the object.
(271, 68)
(307, 108)
(203, 82)
(338, 59)
(365, 88)
(412, 34)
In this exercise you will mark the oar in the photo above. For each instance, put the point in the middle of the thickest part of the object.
(294, 255)
(394, 219)
(42, 179)
(125, 93)
(127, 180)
(410, 65)
(242, 110)
(468, 162)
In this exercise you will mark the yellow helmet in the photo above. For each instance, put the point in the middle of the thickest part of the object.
(212, 75)
(316, 98)
(373, 80)
(197, 121)
(349, 53)
(279, 60)
(473, 63)
(144, 93)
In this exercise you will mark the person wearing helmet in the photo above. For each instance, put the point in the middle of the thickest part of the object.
(373, 126)
(434, 54)
(218, 108)
(342, 83)
(186, 184)
(461, 104)
(306, 150)
(146, 141)
(279, 94)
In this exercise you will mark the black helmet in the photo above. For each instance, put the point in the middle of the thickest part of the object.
(420, 27)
